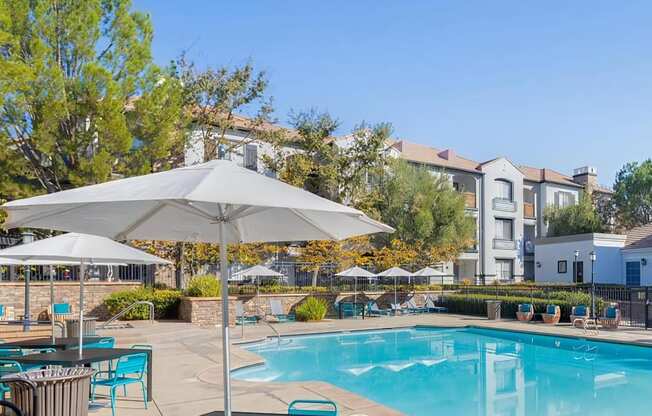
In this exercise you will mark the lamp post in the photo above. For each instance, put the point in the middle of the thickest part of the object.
(577, 255)
(592, 257)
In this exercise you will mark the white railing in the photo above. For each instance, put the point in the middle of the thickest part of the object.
(500, 204)
(501, 244)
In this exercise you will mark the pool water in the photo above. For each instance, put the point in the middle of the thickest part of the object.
(467, 371)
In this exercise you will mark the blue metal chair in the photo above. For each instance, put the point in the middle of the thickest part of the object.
(8, 367)
(307, 408)
(129, 369)
(11, 351)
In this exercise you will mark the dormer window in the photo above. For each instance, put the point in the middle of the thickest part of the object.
(504, 190)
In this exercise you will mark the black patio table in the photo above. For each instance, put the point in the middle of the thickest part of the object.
(71, 358)
(58, 344)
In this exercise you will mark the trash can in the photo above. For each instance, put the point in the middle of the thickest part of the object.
(72, 327)
(51, 392)
(493, 309)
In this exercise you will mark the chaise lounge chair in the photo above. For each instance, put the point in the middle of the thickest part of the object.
(552, 315)
(579, 314)
(430, 305)
(413, 308)
(374, 310)
(525, 312)
(241, 318)
(611, 317)
(278, 312)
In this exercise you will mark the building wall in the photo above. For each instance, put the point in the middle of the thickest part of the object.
(547, 199)
(607, 268)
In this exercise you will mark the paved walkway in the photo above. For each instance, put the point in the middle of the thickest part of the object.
(187, 364)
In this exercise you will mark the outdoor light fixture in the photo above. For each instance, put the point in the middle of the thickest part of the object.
(577, 255)
(644, 262)
(592, 255)
(538, 265)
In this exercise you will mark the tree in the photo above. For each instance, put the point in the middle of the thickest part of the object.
(215, 96)
(633, 194)
(77, 86)
(574, 219)
(426, 211)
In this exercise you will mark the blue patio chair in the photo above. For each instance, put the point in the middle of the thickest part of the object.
(413, 308)
(350, 309)
(61, 311)
(8, 367)
(129, 369)
(104, 342)
(312, 408)
(11, 351)
(431, 307)
(278, 312)
(374, 310)
(241, 318)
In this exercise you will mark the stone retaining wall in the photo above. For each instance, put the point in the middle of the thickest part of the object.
(205, 311)
(13, 294)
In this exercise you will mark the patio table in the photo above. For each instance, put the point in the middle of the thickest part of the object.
(71, 358)
(58, 344)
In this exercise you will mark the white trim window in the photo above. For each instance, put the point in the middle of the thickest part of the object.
(504, 229)
(564, 199)
(504, 269)
(504, 190)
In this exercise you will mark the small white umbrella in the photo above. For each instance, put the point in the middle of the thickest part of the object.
(215, 202)
(430, 272)
(355, 272)
(257, 272)
(73, 248)
(395, 272)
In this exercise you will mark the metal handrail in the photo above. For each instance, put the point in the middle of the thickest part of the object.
(264, 314)
(128, 309)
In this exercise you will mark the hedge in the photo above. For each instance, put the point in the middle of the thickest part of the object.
(166, 303)
(477, 305)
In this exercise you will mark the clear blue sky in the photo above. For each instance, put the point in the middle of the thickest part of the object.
(551, 84)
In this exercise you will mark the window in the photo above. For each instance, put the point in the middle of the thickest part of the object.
(504, 269)
(504, 229)
(504, 189)
(251, 157)
(564, 199)
(562, 266)
(633, 273)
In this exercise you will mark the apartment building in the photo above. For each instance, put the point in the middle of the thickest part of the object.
(507, 202)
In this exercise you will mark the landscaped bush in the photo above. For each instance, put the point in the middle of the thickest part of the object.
(166, 303)
(475, 304)
(311, 309)
(205, 286)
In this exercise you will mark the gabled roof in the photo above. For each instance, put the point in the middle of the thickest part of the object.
(430, 156)
(639, 237)
(547, 175)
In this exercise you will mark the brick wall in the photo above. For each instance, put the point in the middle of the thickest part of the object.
(205, 311)
(13, 294)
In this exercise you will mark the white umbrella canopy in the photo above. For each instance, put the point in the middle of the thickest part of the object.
(395, 272)
(75, 249)
(215, 201)
(429, 272)
(356, 272)
(257, 271)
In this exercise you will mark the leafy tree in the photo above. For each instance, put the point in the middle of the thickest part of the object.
(342, 254)
(575, 219)
(396, 254)
(633, 194)
(215, 96)
(426, 211)
(71, 74)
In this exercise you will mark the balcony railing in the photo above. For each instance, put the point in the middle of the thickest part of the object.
(502, 244)
(528, 210)
(469, 200)
(505, 205)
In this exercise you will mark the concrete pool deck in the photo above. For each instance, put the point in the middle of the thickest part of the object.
(187, 363)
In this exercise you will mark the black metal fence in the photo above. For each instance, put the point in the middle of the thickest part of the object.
(130, 273)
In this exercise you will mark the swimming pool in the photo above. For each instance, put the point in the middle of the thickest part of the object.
(467, 371)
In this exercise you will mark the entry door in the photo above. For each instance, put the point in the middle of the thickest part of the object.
(578, 271)
(633, 273)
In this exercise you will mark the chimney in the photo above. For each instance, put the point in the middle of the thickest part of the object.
(586, 176)
(447, 154)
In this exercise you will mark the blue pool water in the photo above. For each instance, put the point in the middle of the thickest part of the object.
(468, 371)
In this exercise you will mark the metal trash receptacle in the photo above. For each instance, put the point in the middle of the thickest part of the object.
(51, 392)
(494, 308)
(72, 327)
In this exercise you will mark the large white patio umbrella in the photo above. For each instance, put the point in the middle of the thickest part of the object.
(73, 248)
(6, 261)
(215, 202)
(355, 272)
(430, 272)
(395, 272)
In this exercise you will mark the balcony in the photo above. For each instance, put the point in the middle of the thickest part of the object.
(528, 210)
(500, 244)
(505, 205)
(469, 200)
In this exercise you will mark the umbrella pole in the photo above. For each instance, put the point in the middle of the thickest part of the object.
(395, 299)
(80, 328)
(26, 317)
(226, 365)
(355, 296)
(52, 301)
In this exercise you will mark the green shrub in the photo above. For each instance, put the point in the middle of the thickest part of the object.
(475, 304)
(206, 286)
(166, 303)
(312, 309)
